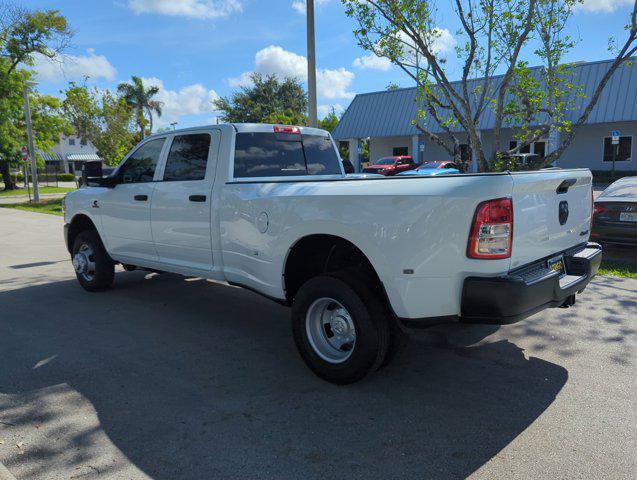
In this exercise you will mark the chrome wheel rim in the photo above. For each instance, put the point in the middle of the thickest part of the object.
(84, 262)
(330, 330)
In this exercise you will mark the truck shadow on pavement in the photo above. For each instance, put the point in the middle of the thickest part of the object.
(194, 380)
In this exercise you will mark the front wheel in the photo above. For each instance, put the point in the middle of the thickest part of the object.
(341, 329)
(94, 269)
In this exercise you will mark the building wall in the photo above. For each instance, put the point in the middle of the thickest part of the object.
(63, 147)
(383, 146)
(433, 151)
(586, 150)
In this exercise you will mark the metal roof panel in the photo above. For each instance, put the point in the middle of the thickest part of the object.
(391, 112)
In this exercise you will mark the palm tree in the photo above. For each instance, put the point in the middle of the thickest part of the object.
(140, 99)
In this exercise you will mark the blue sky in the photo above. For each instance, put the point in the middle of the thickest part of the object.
(196, 50)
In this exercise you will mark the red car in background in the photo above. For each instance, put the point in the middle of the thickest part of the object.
(392, 165)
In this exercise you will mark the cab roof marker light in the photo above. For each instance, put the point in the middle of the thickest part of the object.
(286, 129)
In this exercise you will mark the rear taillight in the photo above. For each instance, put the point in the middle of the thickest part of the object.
(492, 230)
(597, 209)
(590, 228)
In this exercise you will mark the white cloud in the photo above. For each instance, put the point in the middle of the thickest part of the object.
(606, 6)
(73, 67)
(440, 42)
(274, 60)
(191, 100)
(204, 9)
(333, 84)
(372, 62)
(299, 5)
(242, 80)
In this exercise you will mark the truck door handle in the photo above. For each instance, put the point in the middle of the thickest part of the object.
(565, 185)
(197, 198)
(141, 198)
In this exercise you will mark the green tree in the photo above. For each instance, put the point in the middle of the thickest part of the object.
(141, 100)
(105, 120)
(24, 33)
(46, 119)
(12, 138)
(48, 122)
(267, 100)
(82, 110)
(329, 122)
(116, 136)
(495, 36)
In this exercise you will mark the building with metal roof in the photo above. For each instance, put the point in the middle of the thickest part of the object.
(386, 119)
(69, 154)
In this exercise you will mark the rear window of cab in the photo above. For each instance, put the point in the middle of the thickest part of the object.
(262, 154)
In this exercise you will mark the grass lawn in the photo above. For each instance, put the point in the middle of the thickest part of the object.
(618, 269)
(24, 191)
(52, 206)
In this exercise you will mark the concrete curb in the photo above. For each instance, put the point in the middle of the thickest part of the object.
(25, 199)
(5, 474)
(42, 195)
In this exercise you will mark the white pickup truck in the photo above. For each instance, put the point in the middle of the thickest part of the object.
(360, 259)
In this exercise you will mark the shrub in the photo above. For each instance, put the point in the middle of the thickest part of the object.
(66, 177)
(17, 177)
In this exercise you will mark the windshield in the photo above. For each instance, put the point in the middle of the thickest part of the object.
(386, 161)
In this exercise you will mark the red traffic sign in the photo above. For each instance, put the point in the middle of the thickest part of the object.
(24, 153)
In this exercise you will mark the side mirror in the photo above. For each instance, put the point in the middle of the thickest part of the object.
(93, 176)
(92, 170)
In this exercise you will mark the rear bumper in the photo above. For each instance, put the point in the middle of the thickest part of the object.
(621, 234)
(630, 242)
(529, 289)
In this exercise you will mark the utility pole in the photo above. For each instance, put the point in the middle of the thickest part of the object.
(172, 124)
(27, 118)
(311, 65)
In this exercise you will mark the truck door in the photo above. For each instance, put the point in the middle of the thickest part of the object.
(181, 206)
(125, 209)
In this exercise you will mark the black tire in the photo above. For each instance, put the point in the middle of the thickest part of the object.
(369, 316)
(398, 340)
(104, 273)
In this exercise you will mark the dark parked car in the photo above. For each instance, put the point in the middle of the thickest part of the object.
(392, 165)
(615, 214)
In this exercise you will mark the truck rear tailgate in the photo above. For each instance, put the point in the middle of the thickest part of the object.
(551, 211)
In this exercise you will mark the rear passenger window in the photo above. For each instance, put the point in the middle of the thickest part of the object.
(280, 155)
(140, 166)
(187, 158)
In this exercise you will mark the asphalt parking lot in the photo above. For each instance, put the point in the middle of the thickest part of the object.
(171, 378)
